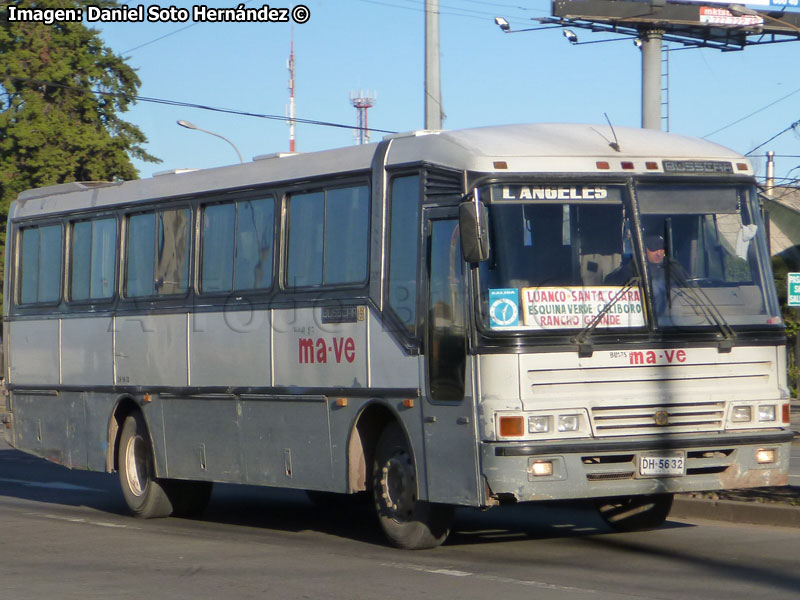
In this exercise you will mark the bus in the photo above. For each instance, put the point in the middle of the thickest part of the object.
(498, 315)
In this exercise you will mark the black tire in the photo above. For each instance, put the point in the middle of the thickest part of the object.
(144, 493)
(636, 513)
(189, 498)
(407, 522)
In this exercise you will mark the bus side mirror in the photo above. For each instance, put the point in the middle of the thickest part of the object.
(473, 219)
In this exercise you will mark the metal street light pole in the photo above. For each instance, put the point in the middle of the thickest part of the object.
(189, 125)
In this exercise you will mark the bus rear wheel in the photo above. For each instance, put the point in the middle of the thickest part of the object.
(144, 493)
(406, 521)
(636, 513)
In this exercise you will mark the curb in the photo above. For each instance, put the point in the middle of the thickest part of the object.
(755, 513)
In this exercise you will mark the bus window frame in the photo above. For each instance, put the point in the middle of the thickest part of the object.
(411, 341)
(20, 227)
(322, 186)
(67, 265)
(200, 207)
(155, 299)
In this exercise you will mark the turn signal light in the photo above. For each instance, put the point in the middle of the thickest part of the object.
(512, 426)
(786, 414)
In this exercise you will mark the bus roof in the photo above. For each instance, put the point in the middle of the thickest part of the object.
(533, 148)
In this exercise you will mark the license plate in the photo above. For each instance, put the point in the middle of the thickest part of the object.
(671, 464)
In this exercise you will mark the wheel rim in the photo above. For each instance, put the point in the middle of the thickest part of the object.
(398, 486)
(136, 467)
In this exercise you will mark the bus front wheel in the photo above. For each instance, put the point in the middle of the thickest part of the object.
(406, 521)
(144, 494)
(636, 513)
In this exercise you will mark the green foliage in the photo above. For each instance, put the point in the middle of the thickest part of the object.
(54, 127)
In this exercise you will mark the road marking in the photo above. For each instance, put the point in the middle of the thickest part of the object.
(484, 577)
(83, 521)
(52, 485)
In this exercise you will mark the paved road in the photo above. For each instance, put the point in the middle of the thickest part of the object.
(65, 535)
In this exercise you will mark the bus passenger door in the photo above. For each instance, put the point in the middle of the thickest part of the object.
(448, 407)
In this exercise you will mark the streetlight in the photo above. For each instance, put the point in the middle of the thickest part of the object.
(572, 38)
(189, 125)
(505, 26)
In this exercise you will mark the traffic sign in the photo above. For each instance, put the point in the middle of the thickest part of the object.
(793, 289)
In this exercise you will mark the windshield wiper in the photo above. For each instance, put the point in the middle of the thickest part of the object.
(703, 302)
(584, 348)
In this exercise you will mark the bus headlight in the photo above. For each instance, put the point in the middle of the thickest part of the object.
(539, 424)
(569, 423)
(767, 412)
(742, 414)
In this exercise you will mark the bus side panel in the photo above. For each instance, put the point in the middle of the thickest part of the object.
(287, 442)
(151, 350)
(52, 426)
(202, 438)
(87, 351)
(311, 353)
(229, 348)
(389, 365)
(35, 359)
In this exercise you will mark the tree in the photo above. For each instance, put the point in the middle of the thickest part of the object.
(61, 90)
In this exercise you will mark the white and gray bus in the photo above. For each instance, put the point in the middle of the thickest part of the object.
(458, 318)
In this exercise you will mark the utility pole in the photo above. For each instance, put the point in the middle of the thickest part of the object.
(651, 77)
(433, 81)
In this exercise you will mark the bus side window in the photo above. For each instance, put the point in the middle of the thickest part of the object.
(158, 253)
(92, 260)
(404, 250)
(328, 237)
(40, 264)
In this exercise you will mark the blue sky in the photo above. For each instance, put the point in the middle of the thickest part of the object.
(487, 78)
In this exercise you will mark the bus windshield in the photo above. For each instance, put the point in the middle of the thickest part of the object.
(706, 254)
(564, 257)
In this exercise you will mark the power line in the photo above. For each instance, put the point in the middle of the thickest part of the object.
(166, 35)
(421, 8)
(182, 104)
(737, 121)
(792, 126)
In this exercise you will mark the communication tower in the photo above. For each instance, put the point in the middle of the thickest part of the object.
(291, 109)
(362, 101)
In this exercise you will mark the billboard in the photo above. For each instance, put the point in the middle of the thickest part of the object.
(773, 4)
(710, 23)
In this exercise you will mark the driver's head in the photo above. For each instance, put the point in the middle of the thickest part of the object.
(654, 248)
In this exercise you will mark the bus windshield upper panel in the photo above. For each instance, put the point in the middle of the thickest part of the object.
(555, 254)
(567, 257)
(706, 255)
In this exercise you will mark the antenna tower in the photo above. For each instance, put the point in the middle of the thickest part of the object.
(362, 101)
(291, 108)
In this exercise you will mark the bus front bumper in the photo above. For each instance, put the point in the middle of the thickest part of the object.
(634, 466)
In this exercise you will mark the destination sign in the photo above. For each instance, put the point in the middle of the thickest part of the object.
(557, 192)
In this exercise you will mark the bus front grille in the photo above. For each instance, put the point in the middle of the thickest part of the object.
(650, 419)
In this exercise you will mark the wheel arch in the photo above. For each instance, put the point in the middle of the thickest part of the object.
(374, 417)
(123, 408)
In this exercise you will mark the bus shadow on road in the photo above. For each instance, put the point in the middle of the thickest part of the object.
(531, 521)
(29, 478)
